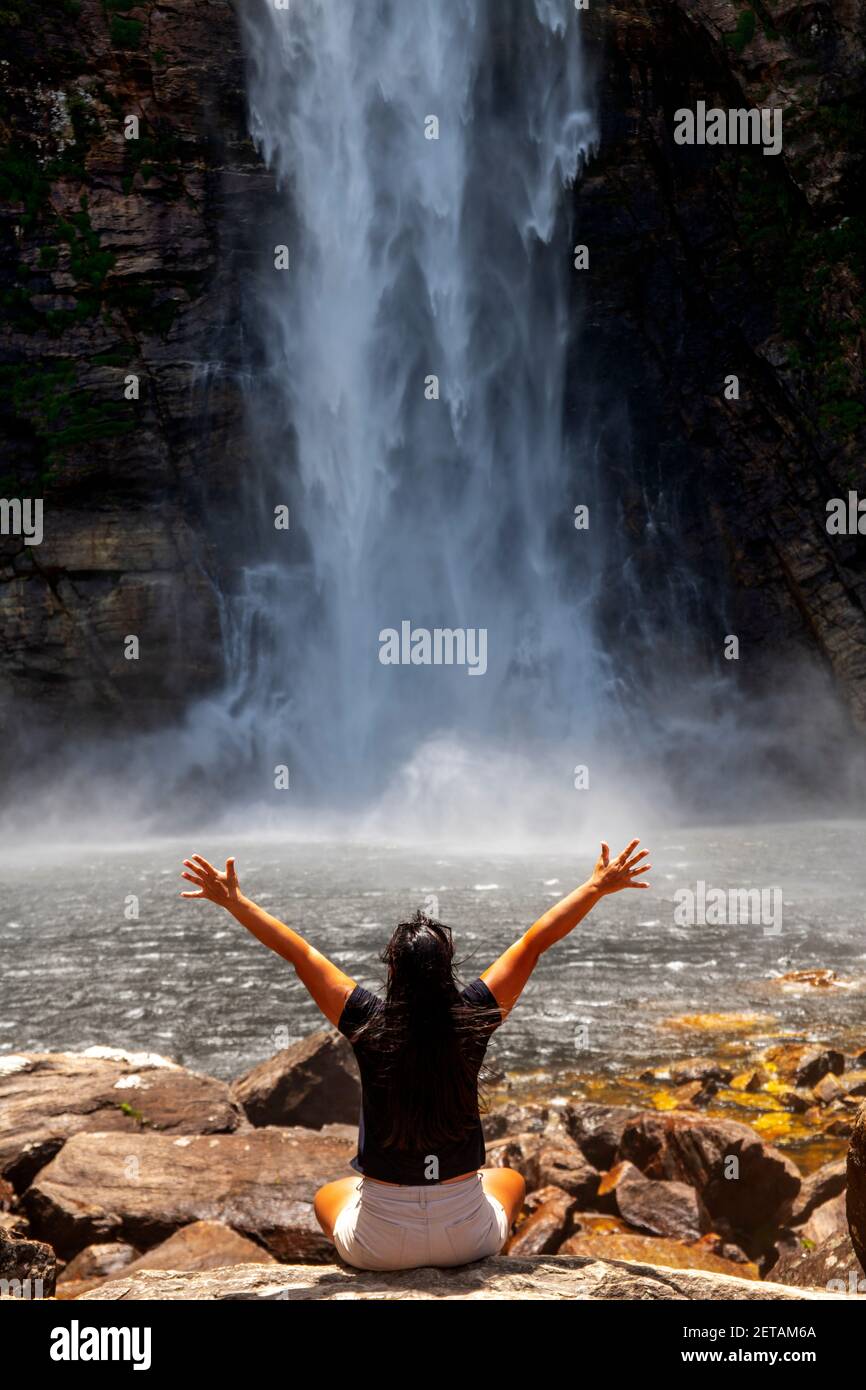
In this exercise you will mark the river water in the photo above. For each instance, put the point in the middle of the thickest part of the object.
(185, 980)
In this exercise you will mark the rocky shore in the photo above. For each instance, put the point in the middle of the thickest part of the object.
(127, 1176)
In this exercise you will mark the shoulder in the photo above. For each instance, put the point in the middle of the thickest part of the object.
(479, 996)
(358, 1008)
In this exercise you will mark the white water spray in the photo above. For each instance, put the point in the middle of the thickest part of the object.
(414, 257)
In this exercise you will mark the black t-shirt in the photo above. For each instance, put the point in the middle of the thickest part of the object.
(410, 1167)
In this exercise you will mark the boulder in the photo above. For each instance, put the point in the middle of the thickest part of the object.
(743, 1182)
(311, 1084)
(670, 1254)
(543, 1278)
(804, 1064)
(202, 1245)
(693, 1093)
(832, 1266)
(840, 1125)
(857, 1187)
(597, 1129)
(753, 1080)
(14, 1224)
(725, 1248)
(91, 1266)
(699, 1069)
(547, 1161)
(798, 1102)
(99, 1261)
(533, 1118)
(828, 1089)
(536, 1199)
(28, 1268)
(660, 1208)
(46, 1097)
(599, 1223)
(547, 1227)
(813, 979)
(141, 1188)
(826, 1182)
(826, 1221)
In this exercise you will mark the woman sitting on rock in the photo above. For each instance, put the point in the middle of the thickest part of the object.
(424, 1196)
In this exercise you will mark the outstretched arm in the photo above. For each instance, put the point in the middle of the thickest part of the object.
(508, 975)
(327, 984)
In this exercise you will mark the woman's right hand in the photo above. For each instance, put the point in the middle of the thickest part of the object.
(611, 875)
(217, 887)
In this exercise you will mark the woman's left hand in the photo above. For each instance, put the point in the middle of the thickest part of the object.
(610, 875)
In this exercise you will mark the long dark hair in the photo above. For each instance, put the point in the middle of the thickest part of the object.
(429, 1042)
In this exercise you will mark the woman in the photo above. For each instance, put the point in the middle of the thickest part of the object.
(424, 1196)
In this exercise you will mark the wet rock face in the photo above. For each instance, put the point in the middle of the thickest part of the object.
(115, 263)
(712, 261)
(127, 257)
(856, 1209)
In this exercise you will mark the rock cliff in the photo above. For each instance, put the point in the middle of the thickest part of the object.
(126, 257)
(712, 261)
(118, 262)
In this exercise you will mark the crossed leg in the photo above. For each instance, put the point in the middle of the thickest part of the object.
(505, 1184)
(508, 1187)
(330, 1200)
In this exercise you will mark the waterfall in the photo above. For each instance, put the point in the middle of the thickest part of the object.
(424, 157)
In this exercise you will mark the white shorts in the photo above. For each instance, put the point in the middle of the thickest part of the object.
(384, 1227)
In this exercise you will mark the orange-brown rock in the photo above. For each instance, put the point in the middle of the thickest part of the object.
(660, 1208)
(28, 1268)
(597, 1129)
(743, 1182)
(546, 1160)
(818, 1187)
(46, 1097)
(828, 1089)
(141, 1188)
(815, 979)
(545, 1230)
(670, 1254)
(856, 1207)
(313, 1083)
(804, 1064)
(832, 1266)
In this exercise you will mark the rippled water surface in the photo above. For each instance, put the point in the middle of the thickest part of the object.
(185, 980)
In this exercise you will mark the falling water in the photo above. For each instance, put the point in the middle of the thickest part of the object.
(413, 257)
